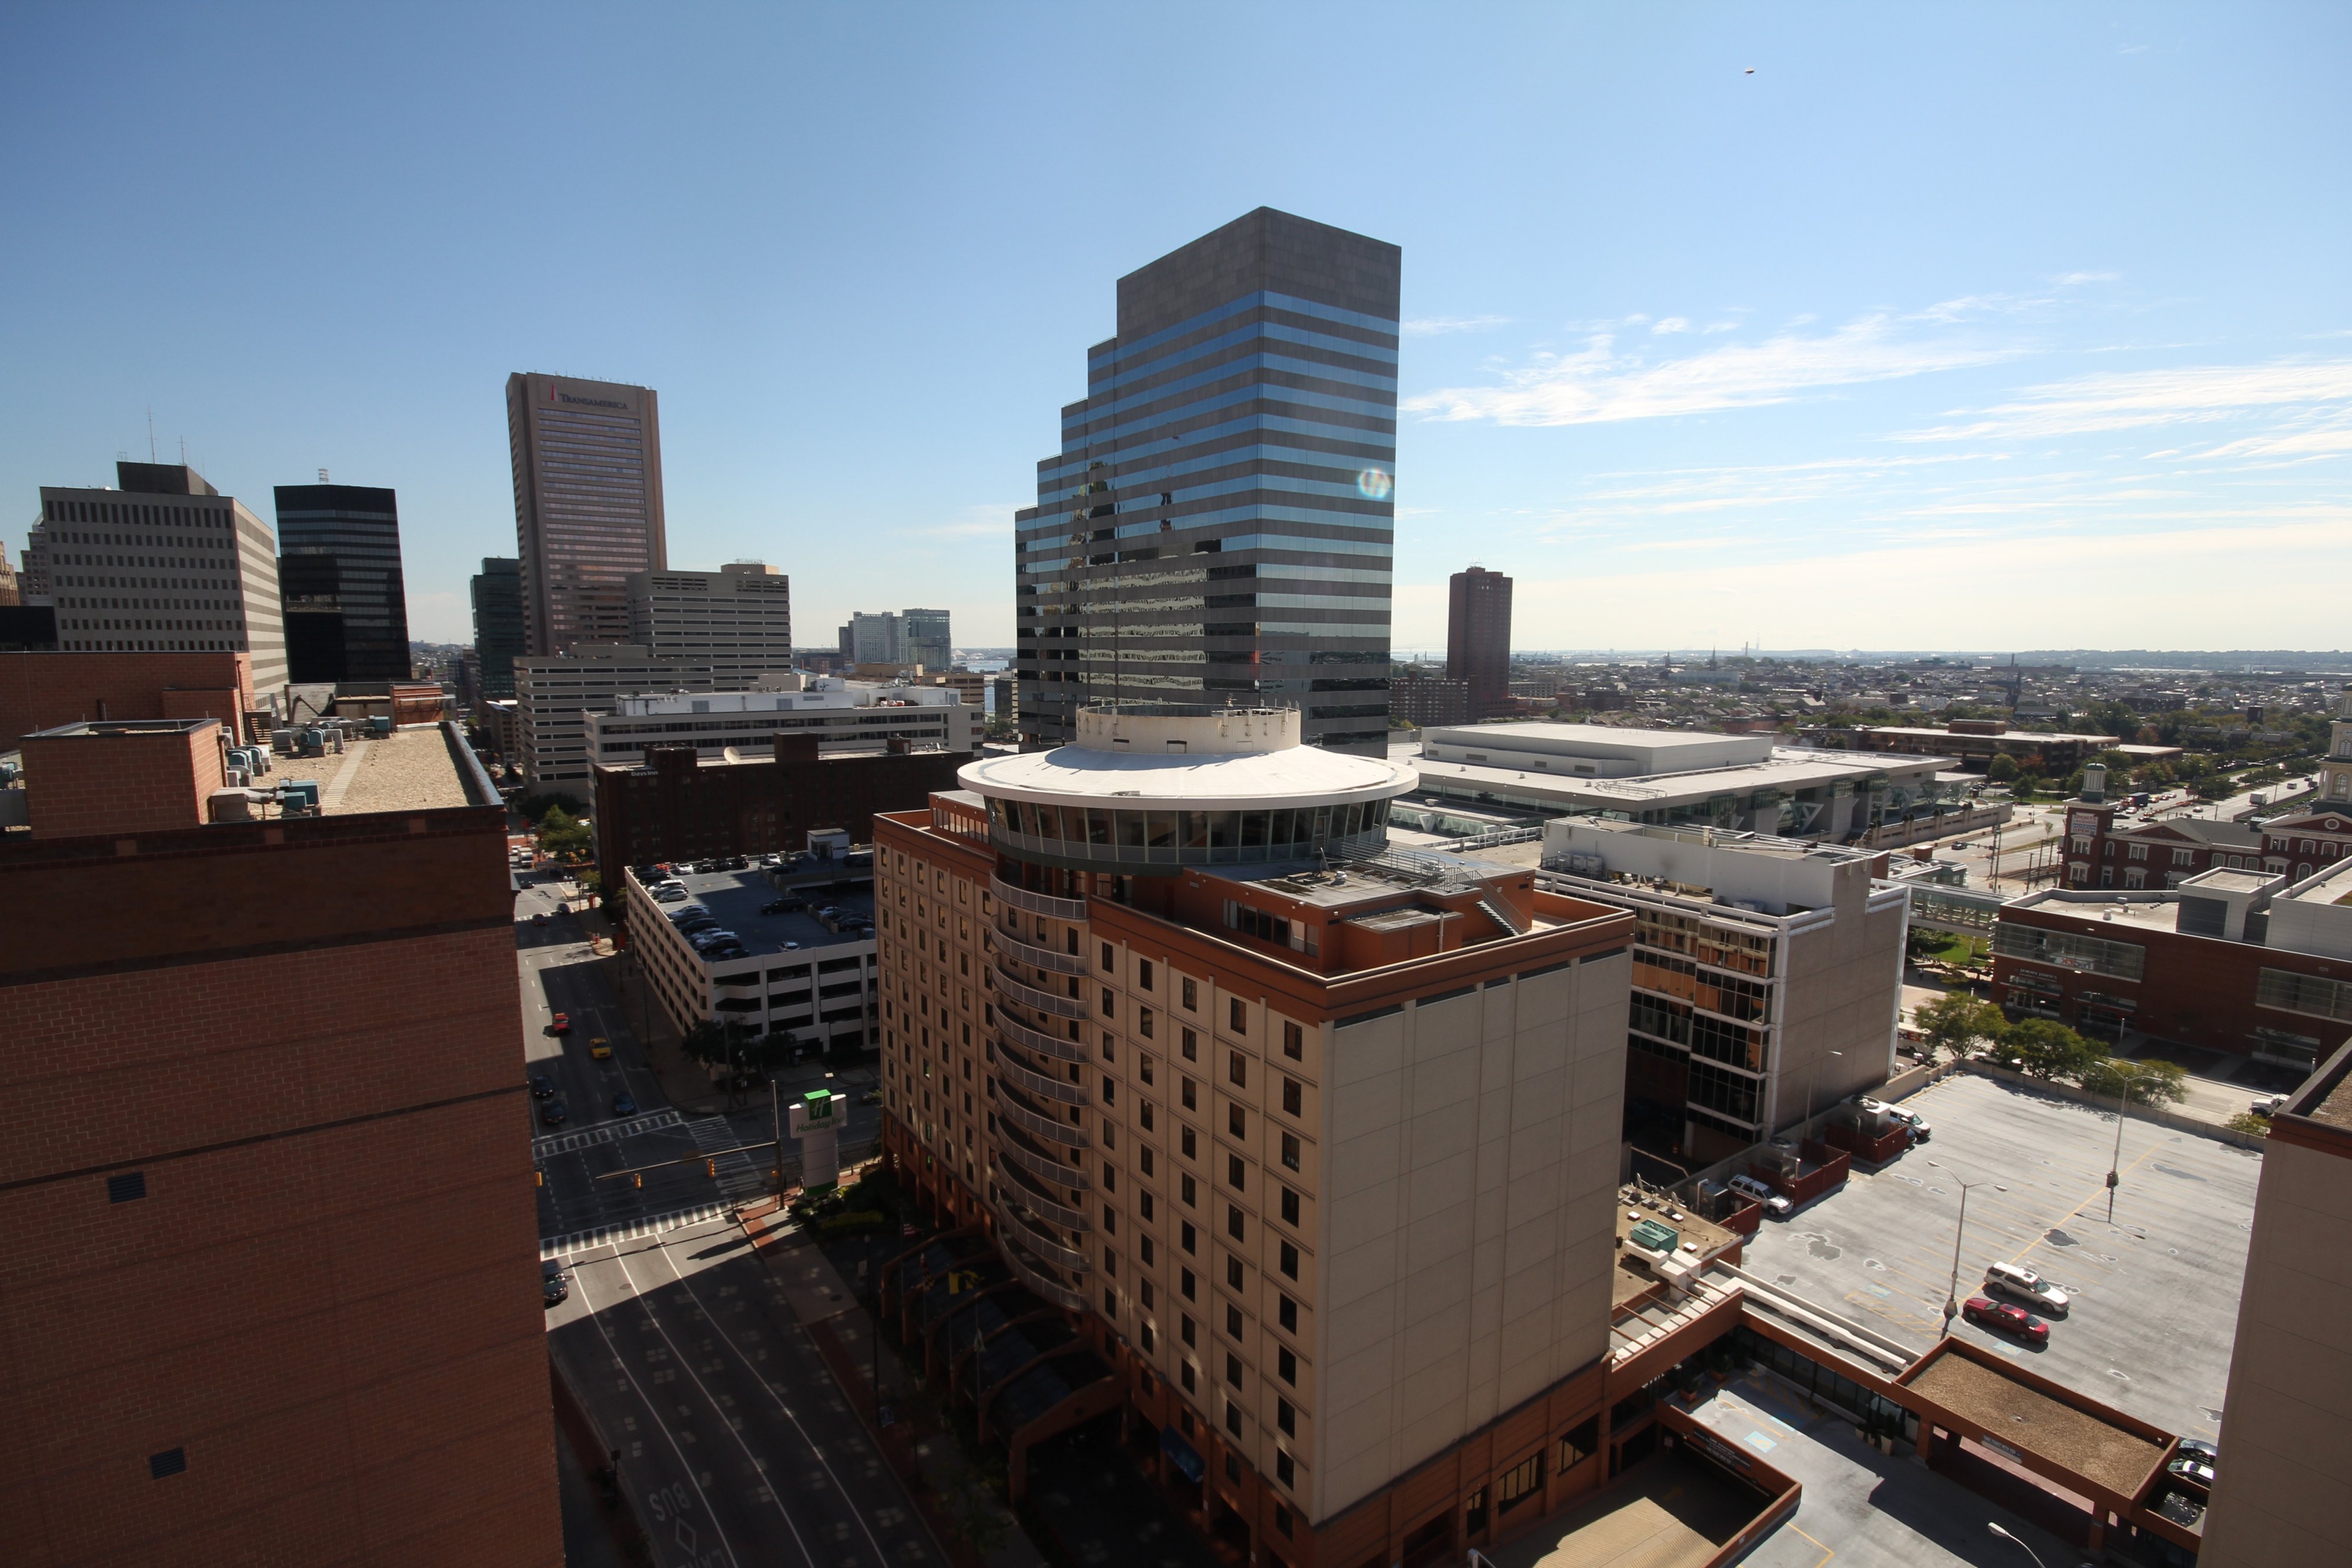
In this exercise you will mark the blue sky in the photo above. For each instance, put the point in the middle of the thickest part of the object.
(1970, 327)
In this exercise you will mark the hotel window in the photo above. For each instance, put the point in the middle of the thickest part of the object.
(1237, 1067)
(1189, 1145)
(1143, 977)
(1107, 960)
(1191, 1042)
(1233, 1171)
(1233, 1321)
(1288, 1474)
(1190, 1093)
(1286, 1417)
(1289, 1260)
(1237, 1120)
(1234, 1223)
(1285, 1312)
(1285, 1365)
(1237, 1015)
(1521, 1481)
(1189, 1239)
(1289, 1206)
(1293, 1041)
(1294, 1096)
(1185, 1189)
(1143, 1022)
(1290, 1150)
(1191, 997)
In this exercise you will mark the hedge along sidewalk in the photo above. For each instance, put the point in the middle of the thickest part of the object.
(2154, 1114)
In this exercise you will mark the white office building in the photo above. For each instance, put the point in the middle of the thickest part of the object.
(737, 620)
(844, 715)
(554, 697)
(1767, 972)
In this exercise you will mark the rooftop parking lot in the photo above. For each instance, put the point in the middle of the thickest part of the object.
(2155, 1293)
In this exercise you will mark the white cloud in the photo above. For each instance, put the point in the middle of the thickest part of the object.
(988, 519)
(1673, 324)
(1598, 384)
(2075, 279)
(1431, 326)
(2135, 399)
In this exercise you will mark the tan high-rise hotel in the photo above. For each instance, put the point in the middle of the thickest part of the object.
(1312, 1142)
(588, 505)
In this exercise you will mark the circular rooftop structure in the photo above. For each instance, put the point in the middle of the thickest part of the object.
(1154, 786)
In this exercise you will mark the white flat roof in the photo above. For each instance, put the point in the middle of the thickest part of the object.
(1294, 776)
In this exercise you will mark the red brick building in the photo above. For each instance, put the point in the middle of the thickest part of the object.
(677, 807)
(43, 690)
(2100, 852)
(2231, 960)
(266, 1244)
(2313, 841)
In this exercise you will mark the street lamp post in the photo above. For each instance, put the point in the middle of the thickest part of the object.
(1952, 1299)
(2014, 1540)
(2115, 1165)
(1813, 1080)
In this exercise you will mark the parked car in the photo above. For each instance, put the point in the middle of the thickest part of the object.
(871, 1097)
(1748, 1186)
(561, 1024)
(624, 1103)
(2194, 1469)
(539, 918)
(542, 1087)
(2201, 1449)
(552, 1285)
(2009, 1320)
(2020, 1283)
(553, 1113)
(2268, 1106)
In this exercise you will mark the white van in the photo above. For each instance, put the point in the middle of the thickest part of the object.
(1748, 1186)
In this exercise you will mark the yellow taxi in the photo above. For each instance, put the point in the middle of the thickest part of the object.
(601, 1049)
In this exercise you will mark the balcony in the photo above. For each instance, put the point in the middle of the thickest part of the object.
(1038, 902)
(1043, 1126)
(1038, 1040)
(1037, 1164)
(1029, 996)
(1037, 1280)
(1035, 956)
(1061, 1214)
(1024, 1227)
(1011, 1072)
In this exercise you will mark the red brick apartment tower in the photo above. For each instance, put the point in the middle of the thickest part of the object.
(1313, 1143)
(267, 1242)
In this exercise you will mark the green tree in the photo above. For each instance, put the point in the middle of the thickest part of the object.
(2001, 770)
(2247, 1122)
(1958, 1024)
(705, 1042)
(2047, 1051)
(2142, 1083)
(560, 837)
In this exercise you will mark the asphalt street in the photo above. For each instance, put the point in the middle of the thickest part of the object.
(561, 972)
(736, 1446)
(2156, 1306)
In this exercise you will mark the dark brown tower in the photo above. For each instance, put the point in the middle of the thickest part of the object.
(1478, 638)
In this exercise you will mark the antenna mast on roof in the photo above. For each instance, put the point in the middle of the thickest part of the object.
(151, 433)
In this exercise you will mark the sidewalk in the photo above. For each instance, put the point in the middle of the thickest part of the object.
(927, 1459)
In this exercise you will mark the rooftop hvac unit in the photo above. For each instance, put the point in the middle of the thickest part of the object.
(232, 805)
(238, 777)
(282, 742)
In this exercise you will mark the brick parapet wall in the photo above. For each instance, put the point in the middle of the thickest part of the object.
(43, 690)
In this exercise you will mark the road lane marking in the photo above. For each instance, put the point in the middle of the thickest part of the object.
(654, 1318)
(581, 1280)
(760, 1379)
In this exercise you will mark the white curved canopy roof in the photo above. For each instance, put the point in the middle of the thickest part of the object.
(1294, 776)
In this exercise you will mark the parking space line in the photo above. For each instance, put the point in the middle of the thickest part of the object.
(1826, 1553)
(2075, 1211)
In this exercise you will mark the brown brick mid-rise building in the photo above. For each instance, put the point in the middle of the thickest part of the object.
(679, 806)
(1312, 1144)
(266, 1239)
(44, 690)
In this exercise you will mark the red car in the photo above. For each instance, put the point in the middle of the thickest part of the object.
(2010, 1320)
(562, 1024)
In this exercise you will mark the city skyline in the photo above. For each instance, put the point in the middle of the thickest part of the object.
(1806, 367)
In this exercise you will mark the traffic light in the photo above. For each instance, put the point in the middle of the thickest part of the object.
(639, 1178)
(711, 1169)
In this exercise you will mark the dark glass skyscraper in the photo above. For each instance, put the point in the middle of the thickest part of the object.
(1219, 524)
(339, 576)
(498, 624)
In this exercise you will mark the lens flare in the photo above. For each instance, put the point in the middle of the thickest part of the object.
(1374, 484)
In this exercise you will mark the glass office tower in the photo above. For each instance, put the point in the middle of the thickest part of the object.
(339, 576)
(1219, 524)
